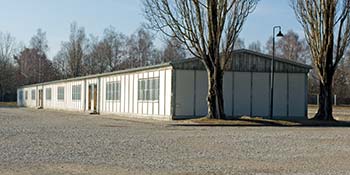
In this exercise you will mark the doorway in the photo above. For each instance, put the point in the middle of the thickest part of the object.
(92, 98)
(41, 98)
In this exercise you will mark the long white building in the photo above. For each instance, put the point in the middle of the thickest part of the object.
(178, 90)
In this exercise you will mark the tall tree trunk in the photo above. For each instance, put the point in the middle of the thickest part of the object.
(211, 99)
(215, 94)
(325, 108)
(219, 93)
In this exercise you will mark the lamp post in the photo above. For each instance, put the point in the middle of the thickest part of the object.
(272, 74)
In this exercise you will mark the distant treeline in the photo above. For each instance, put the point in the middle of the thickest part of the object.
(84, 54)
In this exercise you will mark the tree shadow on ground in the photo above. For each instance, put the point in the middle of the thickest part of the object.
(259, 122)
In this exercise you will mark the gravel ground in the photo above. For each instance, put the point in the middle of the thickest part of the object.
(51, 142)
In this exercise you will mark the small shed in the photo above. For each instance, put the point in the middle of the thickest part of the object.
(177, 90)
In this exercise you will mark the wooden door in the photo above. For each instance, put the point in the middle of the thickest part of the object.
(92, 96)
(89, 97)
(41, 98)
(95, 97)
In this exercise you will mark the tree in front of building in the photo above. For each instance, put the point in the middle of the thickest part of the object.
(208, 29)
(326, 24)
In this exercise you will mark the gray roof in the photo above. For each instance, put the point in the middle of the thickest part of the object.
(105, 74)
(244, 60)
(195, 63)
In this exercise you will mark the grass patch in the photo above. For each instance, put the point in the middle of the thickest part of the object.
(8, 104)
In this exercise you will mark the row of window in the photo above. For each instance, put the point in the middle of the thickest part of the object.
(148, 89)
(76, 89)
(32, 95)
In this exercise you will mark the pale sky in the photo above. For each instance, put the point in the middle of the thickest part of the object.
(22, 18)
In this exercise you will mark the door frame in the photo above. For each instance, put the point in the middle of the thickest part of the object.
(41, 98)
(92, 98)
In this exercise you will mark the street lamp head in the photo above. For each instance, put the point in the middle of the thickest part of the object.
(280, 34)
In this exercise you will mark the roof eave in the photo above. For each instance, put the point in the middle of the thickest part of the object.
(168, 64)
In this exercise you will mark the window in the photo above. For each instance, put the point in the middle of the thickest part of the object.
(26, 95)
(113, 90)
(60, 93)
(20, 95)
(48, 93)
(148, 89)
(33, 94)
(76, 92)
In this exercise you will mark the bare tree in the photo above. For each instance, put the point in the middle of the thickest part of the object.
(35, 67)
(290, 47)
(326, 25)
(139, 48)
(8, 47)
(208, 29)
(239, 44)
(73, 51)
(341, 79)
(94, 61)
(256, 46)
(39, 41)
(341, 83)
(173, 50)
(60, 62)
(115, 44)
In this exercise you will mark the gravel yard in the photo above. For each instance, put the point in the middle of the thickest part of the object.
(51, 142)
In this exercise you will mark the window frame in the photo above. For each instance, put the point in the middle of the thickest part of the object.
(59, 95)
(148, 89)
(46, 94)
(113, 93)
(20, 95)
(76, 92)
(33, 95)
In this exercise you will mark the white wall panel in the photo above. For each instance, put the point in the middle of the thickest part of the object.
(260, 94)
(242, 93)
(296, 95)
(201, 93)
(162, 92)
(228, 90)
(168, 91)
(184, 92)
(280, 95)
(136, 104)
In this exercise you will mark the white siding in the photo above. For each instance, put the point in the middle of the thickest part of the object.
(280, 95)
(260, 94)
(201, 93)
(29, 102)
(296, 95)
(20, 97)
(245, 94)
(128, 103)
(242, 93)
(184, 93)
(68, 103)
(228, 93)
